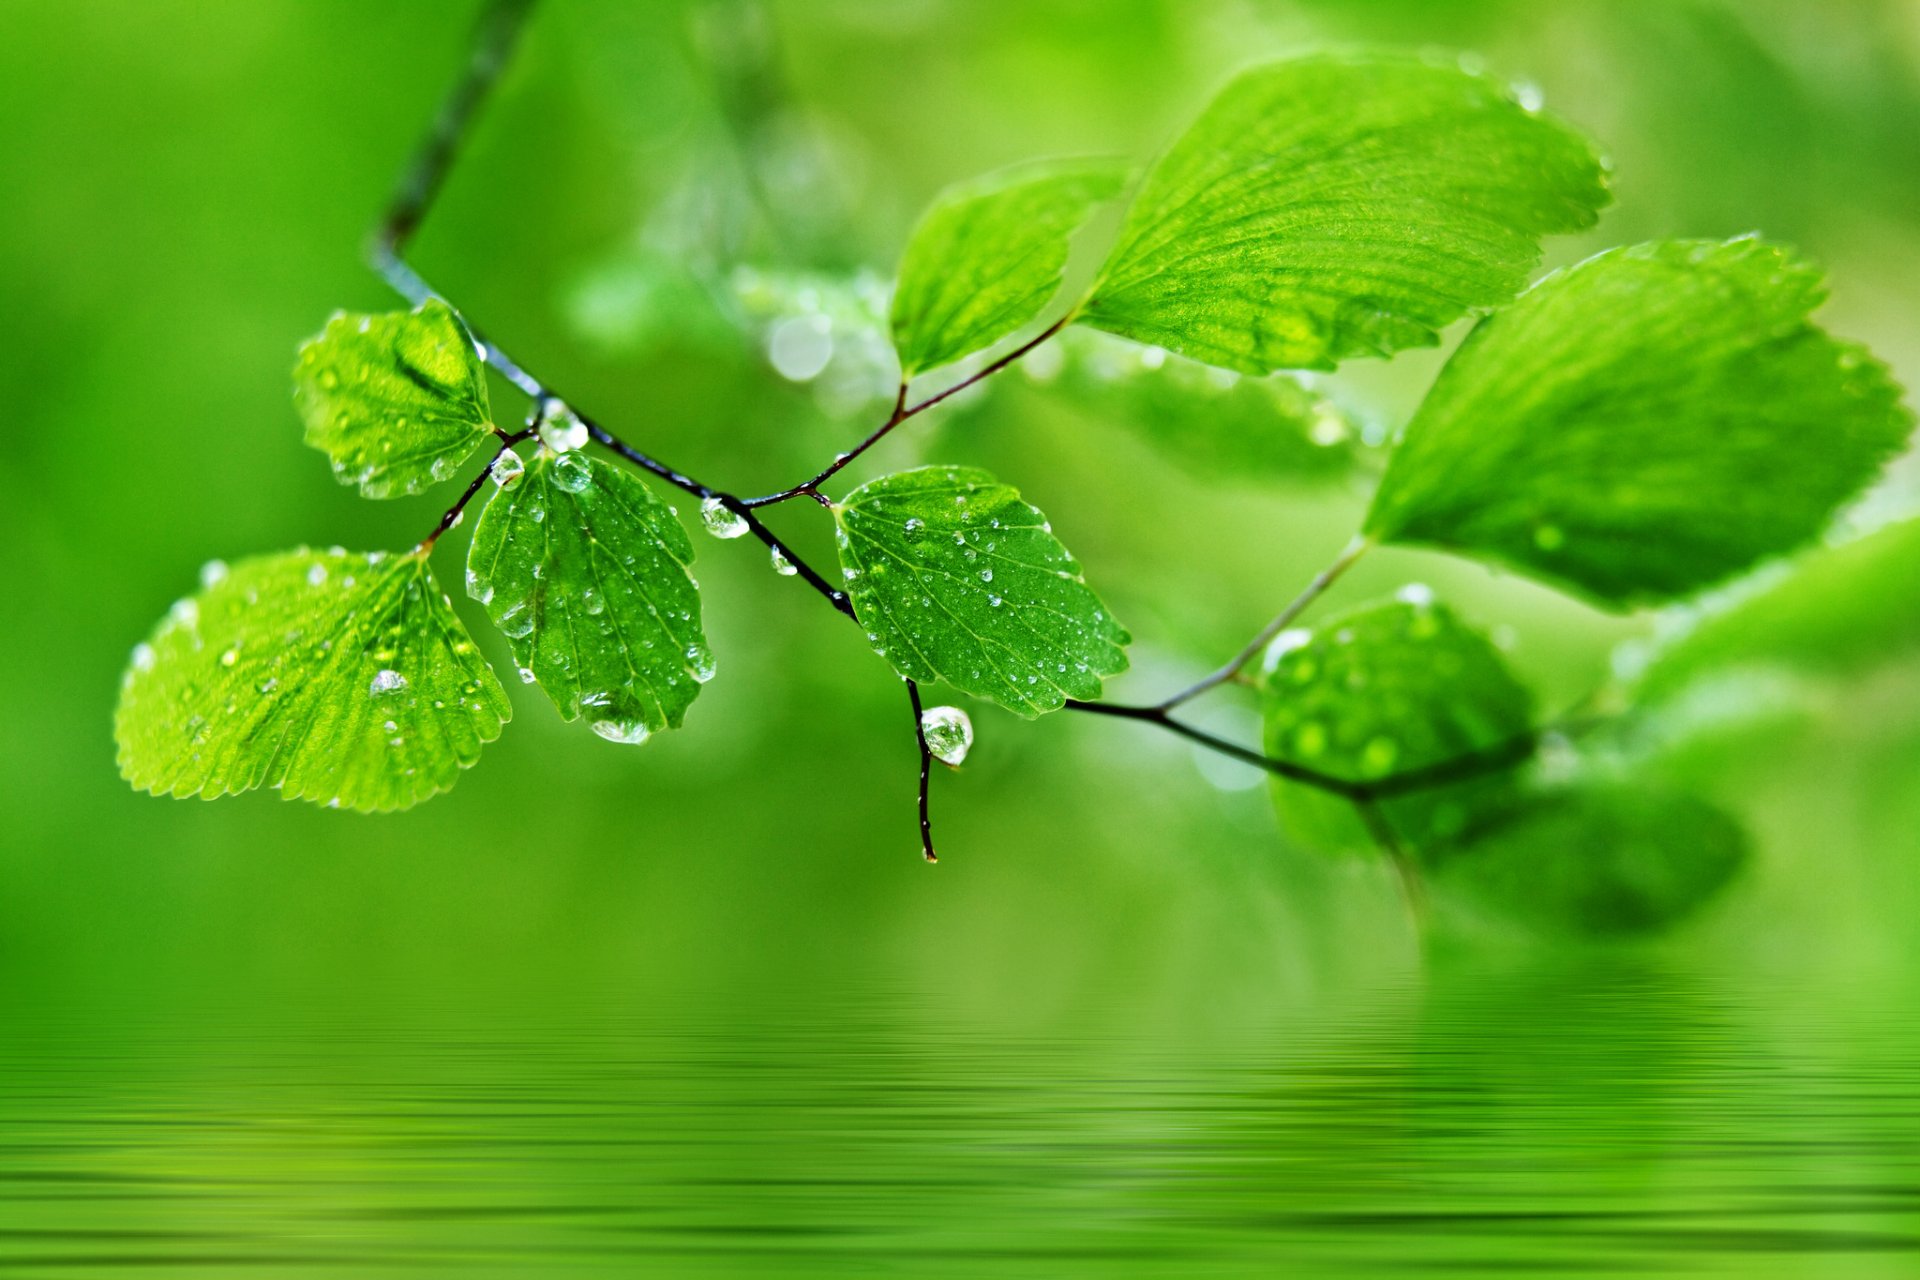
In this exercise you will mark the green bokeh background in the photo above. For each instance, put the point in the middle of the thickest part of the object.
(187, 190)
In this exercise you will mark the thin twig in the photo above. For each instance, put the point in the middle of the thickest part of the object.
(1315, 589)
(498, 28)
(451, 516)
(902, 412)
(926, 770)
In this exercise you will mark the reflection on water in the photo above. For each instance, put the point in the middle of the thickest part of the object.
(1566, 1124)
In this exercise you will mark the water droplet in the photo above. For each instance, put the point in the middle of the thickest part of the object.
(631, 732)
(1417, 594)
(507, 468)
(700, 662)
(213, 573)
(143, 657)
(1378, 755)
(230, 657)
(915, 524)
(185, 613)
(560, 427)
(721, 520)
(1549, 537)
(526, 675)
(986, 575)
(516, 621)
(782, 565)
(949, 733)
(572, 472)
(386, 680)
(269, 685)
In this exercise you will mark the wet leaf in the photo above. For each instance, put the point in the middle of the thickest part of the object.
(1385, 690)
(585, 571)
(1332, 207)
(1644, 425)
(956, 579)
(988, 255)
(336, 677)
(396, 401)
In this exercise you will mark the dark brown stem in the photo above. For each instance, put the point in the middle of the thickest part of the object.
(1281, 621)
(926, 771)
(902, 412)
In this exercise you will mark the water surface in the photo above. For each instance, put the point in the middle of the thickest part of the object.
(1595, 1121)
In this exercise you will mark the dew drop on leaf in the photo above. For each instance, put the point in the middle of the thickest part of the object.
(572, 472)
(386, 680)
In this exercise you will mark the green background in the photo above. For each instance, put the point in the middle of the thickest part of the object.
(188, 187)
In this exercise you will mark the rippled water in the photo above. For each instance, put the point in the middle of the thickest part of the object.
(1594, 1123)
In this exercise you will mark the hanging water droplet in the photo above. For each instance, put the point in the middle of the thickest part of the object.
(700, 663)
(507, 468)
(631, 732)
(213, 573)
(572, 472)
(782, 565)
(526, 675)
(949, 733)
(560, 427)
(720, 519)
(386, 680)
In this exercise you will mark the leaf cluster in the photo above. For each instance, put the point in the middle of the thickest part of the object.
(1655, 421)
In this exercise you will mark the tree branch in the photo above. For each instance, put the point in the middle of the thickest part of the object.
(1315, 589)
(497, 31)
(903, 411)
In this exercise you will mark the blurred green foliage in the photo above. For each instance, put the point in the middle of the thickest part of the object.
(192, 189)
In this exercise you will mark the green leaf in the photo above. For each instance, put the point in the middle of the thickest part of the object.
(1644, 424)
(956, 579)
(1844, 610)
(336, 677)
(1333, 207)
(1384, 690)
(396, 401)
(586, 573)
(1597, 861)
(988, 255)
